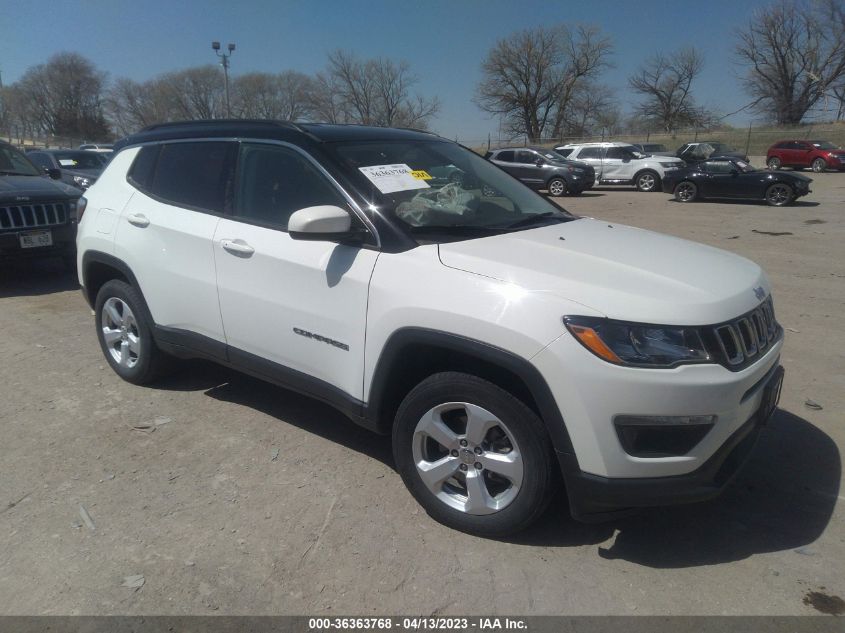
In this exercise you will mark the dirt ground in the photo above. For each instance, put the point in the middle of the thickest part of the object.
(242, 498)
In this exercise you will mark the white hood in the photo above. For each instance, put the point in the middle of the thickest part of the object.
(623, 272)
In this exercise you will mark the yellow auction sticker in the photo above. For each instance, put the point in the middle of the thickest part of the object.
(420, 174)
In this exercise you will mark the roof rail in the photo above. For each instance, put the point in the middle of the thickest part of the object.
(216, 122)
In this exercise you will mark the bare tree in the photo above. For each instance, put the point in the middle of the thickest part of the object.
(665, 82)
(64, 97)
(529, 78)
(593, 109)
(794, 51)
(265, 96)
(372, 92)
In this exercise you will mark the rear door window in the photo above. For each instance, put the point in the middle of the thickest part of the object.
(590, 152)
(195, 175)
(506, 156)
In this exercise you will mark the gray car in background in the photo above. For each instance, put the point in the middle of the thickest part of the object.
(543, 168)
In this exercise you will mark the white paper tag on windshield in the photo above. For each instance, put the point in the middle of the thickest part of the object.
(391, 178)
(67, 162)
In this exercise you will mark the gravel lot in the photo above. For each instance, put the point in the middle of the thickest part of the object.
(197, 504)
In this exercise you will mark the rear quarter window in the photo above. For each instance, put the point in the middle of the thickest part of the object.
(143, 167)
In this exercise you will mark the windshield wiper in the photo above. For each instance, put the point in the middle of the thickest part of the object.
(455, 228)
(531, 219)
(14, 173)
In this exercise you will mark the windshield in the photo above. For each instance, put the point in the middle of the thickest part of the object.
(440, 190)
(14, 163)
(824, 145)
(744, 167)
(78, 160)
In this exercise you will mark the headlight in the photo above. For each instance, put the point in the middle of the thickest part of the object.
(638, 344)
(672, 164)
(82, 181)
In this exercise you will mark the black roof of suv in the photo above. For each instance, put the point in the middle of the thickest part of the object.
(278, 130)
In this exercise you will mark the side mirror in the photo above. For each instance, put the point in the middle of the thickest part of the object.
(324, 223)
(734, 172)
(54, 173)
(540, 162)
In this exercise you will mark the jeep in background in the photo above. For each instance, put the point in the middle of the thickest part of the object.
(621, 164)
(78, 168)
(542, 168)
(37, 214)
(817, 155)
(505, 345)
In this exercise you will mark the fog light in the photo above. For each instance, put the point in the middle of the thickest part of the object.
(661, 435)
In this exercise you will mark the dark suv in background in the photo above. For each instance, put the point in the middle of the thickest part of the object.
(37, 215)
(78, 168)
(542, 168)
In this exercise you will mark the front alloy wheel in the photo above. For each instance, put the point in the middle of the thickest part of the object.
(779, 194)
(557, 187)
(773, 163)
(819, 165)
(474, 456)
(467, 458)
(647, 181)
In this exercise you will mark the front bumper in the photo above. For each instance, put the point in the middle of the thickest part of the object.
(594, 498)
(600, 475)
(64, 242)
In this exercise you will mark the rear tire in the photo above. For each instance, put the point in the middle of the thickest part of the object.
(125, 334)
(686, 191)
(773, 163)
(452, 423)
(779, 195)
(819, 165)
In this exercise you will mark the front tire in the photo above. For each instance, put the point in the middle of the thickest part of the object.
(557, 187)
(686, 191)
(476, 458)
(125, 334)
(819, 165)
(773, 163)
(779, 194)
(648, 181)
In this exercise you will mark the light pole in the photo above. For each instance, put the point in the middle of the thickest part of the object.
(225, 63)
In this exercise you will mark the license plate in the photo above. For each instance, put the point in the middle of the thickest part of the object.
(771, 396)
(34, 239)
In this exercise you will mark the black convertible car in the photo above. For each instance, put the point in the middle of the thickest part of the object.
(731, 178)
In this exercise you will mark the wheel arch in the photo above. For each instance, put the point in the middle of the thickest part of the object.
(412, 354)
(99, 268)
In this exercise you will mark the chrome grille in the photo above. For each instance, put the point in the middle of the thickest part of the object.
(746, 338)
(31, 216)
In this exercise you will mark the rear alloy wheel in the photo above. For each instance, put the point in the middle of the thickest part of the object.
(647, 181)
(557, 187)
(779, 194)
(125, 335)
(773, 163)
(475, 457)
(686, 191)
(819, 165)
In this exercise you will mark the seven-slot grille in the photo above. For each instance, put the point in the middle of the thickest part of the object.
(32, 216)
(746, 338)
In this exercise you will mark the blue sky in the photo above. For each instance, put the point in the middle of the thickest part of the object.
(444, 41)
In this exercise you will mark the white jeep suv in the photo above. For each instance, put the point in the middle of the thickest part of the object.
(506, 344)
(622, 164)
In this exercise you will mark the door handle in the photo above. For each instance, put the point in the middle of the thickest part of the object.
(237, 247)
(138, 219)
